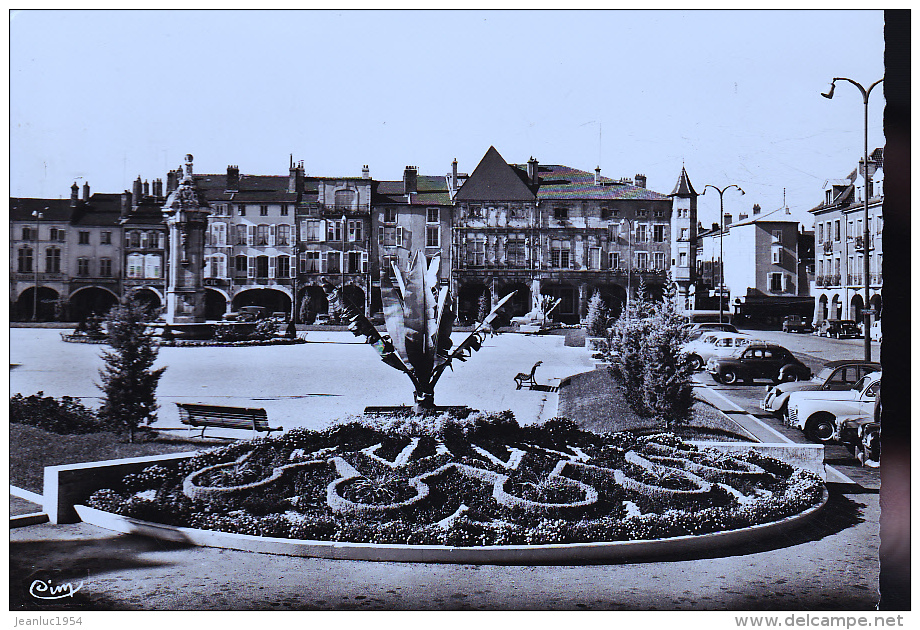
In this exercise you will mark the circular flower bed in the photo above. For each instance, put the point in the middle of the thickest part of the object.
(478, 480)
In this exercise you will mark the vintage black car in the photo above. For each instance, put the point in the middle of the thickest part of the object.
(797, 323)
(839, 328)
(758, 361)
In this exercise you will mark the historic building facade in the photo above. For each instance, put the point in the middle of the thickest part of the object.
(840, 247)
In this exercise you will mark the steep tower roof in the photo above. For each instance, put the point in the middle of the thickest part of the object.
(494, 180)
(683, 188)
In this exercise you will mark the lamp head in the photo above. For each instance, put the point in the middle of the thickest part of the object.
(830, 93)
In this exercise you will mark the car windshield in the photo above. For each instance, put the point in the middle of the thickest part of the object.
(824, 374)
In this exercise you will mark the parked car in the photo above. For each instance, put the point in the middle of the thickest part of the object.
(836, 375)
(816, 412)
(875, 330)
(757, 361)
(797, 324)
(862, 434)
(714, 344)
(695, 331)
(839, 328)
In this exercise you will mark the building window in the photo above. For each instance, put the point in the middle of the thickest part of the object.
(25, 260)
(561, 214)
(682, 257)
(837, 230)
(153, 266)
(263, 211)
(659, 213)
(241, 210)
(683, 233)
(559, 257)
(135, 265)
(356, 231)
(641, 212)
(333, 262)
(27, 234)
(433, 215)
(776, 282)
(312, 231)
(240, 234)
(105, 238)
(820, 233)
(344, 199)
(53, 260)
(240, 266)
(105, 267)
(57, 235)
(284, 267)
(284, 235)
(641, 233)
(389, 215)
(475, 211)
(389, 262)
(778, 237)
(284, 210)
(820, 267)
(84, 238)
(309, 262)
(390, 236)
(658, 233)
(357, 262)
(476, 252)
(515, 253)
(614, 261)
(333, 230)
(262, 237)
(658, 260)
(777, 256)
(594, 258)
(261, 266)
(83, 267)
(642, 260)
(432, 236)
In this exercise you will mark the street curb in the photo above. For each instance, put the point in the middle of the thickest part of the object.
(573, 553)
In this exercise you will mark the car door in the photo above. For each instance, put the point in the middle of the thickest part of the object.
(752, 360)
(771, 363)
(867, 398)
(842, 378)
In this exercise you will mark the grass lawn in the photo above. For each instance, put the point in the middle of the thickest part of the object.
(596, 403)
(31, 449)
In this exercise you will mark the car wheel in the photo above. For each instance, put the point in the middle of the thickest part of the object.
(820, 428)
(729, 377)
(790, 377)
(696, 363)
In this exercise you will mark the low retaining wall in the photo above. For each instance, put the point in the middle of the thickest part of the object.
(506, 554)
(806, 456)
(70, 483)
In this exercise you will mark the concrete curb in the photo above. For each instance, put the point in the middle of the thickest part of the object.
(573, 553)
(24, 520)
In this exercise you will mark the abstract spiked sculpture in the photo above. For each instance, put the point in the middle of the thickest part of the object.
(419, 318)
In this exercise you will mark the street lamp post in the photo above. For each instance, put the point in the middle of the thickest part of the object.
(867, 342)
(721, 192)
(38, 217)
(623, 223)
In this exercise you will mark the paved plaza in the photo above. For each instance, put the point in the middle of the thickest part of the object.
(308, 385)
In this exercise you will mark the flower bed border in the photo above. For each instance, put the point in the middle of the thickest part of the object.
(494, 554)
(205, 343)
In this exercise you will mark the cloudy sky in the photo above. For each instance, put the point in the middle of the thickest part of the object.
(104, 96)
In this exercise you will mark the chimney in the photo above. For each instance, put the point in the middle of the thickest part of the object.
(715, 227)
(597, 176)
(365, 172)
(146, 188)
(533, 171)
(727, 218)
(74, 194)
(158, 188)
(172, 181)
(233, 177)
(137, 188)
(125, 204)
(742, 216)
(86, 191)
(756, 208)
(641, 180)
(295, 179)
(410, 180)
(453, 174)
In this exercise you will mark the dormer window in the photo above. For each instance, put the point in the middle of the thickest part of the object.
(561, 214)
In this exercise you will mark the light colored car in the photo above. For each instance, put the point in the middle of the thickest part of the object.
(875, 330)
(714, 345)
(839, 375)
(816, 412)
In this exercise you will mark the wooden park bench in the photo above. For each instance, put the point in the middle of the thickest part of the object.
(205, 416)
(523, 378)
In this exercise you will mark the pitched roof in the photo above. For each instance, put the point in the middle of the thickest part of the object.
(683, 188)
(21, 209)
(774, 216)
(564, 182)
(494, 180)
(432, 190)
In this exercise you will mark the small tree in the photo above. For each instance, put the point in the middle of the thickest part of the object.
(596, 319)
(627, 347)
(667, 384)
(128, 382)
(484, 306)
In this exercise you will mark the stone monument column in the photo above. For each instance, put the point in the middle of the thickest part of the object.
(186, 216)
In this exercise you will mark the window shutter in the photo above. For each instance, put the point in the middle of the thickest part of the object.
(322, 264)
(363, 262)
(250, 236)
(399, 236)
(251, 267)
(322, 230)
(272, 232)
(271, 266)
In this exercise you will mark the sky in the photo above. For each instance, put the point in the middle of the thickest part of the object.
(734, 96)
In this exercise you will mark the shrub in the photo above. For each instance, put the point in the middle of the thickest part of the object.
(67, 415)
(596, 320)
(128, 382)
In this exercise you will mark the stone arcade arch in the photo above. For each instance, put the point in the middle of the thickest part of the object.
(48, 301)
(614, 297)
(856, 308)
(88, 300)
(273, 300)
(215, 303)
(312, 302)
(822, 309)
(876, 303)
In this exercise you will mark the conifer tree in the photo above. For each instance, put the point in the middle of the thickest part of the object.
(596, 319)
